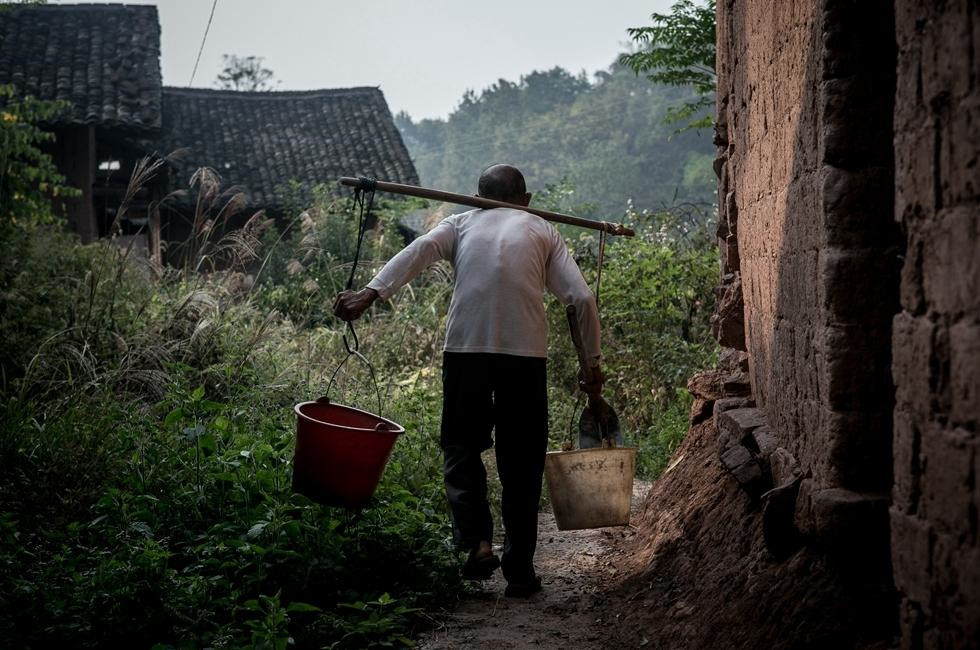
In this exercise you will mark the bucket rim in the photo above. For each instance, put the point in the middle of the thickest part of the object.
(398, 430)
(591, 449)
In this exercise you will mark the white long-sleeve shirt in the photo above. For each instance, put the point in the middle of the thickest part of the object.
(504, 260)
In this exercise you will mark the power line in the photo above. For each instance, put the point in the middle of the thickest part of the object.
(203, 40)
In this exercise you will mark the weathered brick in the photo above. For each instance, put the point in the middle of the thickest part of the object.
(852, 525)
(854, 214)
(735, 424)
(951, 261)
(959, 153)
(730, 403)
(763, 440)
(783, 467)
(906, 445)
(855, 373)
(911, 542)
(857, 284)
(947, 480)
(964, 352)
(910, 623)
(856, 139)
(858, 448)
(912, 353)
(966, 564)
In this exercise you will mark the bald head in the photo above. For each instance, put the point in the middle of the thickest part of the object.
(504, 183)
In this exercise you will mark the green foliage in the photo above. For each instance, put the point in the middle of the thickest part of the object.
(655, 300)
(29, 180)
(245, 73)
(604, 136)
(678, 49)
(146, 428)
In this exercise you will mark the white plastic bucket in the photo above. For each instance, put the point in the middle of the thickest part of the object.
(590, 488)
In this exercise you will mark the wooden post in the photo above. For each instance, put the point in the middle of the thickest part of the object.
(76, 160)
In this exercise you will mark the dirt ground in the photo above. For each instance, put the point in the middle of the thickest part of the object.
(575, 568)
(691, 571)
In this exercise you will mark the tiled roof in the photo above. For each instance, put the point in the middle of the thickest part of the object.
(262, 140)
(103, 59)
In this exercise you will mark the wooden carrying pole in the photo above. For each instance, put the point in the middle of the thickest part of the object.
(480, 202)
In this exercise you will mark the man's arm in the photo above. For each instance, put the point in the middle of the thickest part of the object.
(438, 243)
(565, 281)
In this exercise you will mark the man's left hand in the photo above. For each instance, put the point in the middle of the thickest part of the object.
(349, 305)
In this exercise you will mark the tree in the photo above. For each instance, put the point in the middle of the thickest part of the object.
(29, 179)
(244, 73)
(679, 50)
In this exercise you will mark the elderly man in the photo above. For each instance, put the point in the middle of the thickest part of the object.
(494, 362)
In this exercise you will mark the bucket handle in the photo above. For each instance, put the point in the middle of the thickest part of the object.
(353, 352)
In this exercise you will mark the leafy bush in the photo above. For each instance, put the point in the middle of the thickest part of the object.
(147, 433)
(29, 180)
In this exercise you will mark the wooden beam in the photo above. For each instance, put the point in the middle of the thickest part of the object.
(488, 204)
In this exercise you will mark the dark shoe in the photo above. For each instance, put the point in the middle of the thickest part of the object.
(480, 567)
(523, 589)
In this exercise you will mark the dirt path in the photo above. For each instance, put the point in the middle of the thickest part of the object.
(569, 612)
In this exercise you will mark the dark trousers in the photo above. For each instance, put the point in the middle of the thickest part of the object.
(506, 395)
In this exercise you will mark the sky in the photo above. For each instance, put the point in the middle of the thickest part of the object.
(422, 53)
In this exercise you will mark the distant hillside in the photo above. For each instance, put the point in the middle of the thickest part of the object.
(605, 135)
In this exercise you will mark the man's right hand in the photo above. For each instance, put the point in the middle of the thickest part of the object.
(349, 305)
(591, 385)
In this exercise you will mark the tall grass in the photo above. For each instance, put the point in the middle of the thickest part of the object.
(147, 432)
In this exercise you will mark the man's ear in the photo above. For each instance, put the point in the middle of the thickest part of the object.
(526, 200)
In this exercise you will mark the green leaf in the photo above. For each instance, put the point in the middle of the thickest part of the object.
(297, 606)
(174, 417)
(197, 394)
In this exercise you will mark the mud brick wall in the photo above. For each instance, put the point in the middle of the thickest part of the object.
(807, 231)
(937, 335)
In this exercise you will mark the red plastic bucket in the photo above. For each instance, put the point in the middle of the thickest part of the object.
(340, 452)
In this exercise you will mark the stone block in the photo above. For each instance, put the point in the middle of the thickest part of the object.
(912, 293)
(966, 564)
(745, 468)
(859, 449)
(857, 139)
(912, 362)
(964, 358)
(852, 281)
(858, 207)
(730, 403)
(803, 513)
(906, 448)
(783, 467)
(731, 213)
(736, 384)
(911, 546)
(947, 482)
(731, 359)
(707, 385)
(762, 441)
(959, 152)
(734, 425)
(855, 370)
(853, 527)
(728, 322)
(951, 261)
(910, 621)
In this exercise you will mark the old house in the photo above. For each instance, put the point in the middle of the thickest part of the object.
(104, 62)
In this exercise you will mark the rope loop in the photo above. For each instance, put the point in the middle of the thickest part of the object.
(363, 200)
